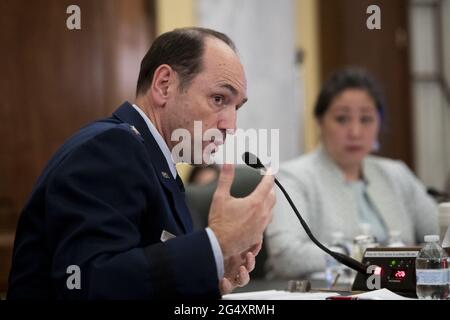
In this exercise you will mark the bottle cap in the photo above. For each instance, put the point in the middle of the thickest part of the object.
(431, 238)
(444, 207)
(362, 239)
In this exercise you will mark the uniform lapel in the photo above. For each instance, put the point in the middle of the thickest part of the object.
(128, 114)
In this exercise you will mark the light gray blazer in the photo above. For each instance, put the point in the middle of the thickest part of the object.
(326, 201)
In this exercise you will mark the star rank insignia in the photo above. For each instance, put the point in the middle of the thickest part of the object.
(136, 132)
(165, 175)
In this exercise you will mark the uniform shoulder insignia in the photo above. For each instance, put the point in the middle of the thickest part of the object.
(136, 132)
(165, 175)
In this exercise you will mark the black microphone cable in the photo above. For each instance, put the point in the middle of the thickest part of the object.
(254, 162)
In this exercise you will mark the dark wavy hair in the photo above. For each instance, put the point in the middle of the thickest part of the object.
(182, 49)
(349, 78)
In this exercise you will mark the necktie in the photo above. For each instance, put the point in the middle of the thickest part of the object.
(180, 183)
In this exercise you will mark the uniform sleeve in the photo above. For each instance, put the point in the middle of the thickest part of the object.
(95, 202)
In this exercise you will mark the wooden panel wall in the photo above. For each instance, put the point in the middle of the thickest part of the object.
(55, 80)
(345, 40)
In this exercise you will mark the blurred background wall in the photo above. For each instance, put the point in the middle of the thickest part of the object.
(264, 33)
(55, 80)
(429, 27)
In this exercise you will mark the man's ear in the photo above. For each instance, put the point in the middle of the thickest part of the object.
(163, 80)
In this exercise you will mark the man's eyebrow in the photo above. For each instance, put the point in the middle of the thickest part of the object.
(231, 88)
(243, 102)
(233, 91)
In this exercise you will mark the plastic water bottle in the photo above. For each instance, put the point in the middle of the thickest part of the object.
(395, 239)
(432, 272)
(360, 244)
(333, 268)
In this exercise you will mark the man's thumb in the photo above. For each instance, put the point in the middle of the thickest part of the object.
(226, 178)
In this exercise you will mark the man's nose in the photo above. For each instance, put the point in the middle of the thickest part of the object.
(228, 120)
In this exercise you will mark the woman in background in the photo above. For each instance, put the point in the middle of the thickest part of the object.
(339, 186)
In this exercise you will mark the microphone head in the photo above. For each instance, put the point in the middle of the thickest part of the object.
(252, 161)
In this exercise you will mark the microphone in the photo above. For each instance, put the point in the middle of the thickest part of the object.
(253, 161)
(437, 194)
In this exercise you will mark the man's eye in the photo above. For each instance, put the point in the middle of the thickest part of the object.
(219, 100)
